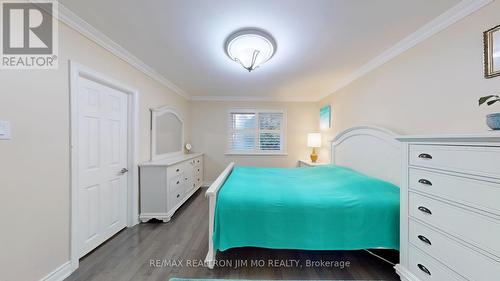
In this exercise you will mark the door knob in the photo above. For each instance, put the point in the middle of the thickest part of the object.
(123, 171)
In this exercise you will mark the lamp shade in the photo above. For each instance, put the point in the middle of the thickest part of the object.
(314, 140)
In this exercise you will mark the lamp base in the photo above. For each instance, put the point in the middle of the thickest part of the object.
(314, 156)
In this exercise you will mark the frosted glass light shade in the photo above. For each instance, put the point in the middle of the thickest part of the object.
(250, 48)
(314, 140)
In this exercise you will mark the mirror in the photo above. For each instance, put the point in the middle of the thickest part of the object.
(492, 52)
(166, 133)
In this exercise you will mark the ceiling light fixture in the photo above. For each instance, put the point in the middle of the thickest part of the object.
(250, 48)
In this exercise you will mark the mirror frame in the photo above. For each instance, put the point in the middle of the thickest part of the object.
(489, 71)
(156, 112)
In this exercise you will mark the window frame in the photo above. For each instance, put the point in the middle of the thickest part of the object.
(257, 150)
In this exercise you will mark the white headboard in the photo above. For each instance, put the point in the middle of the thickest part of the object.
(371, 150)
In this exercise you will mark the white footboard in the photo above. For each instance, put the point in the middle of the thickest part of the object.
(212, 197)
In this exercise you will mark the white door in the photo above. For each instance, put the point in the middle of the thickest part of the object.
(102, 162)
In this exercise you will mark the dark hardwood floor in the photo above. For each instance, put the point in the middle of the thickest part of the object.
(157, 251)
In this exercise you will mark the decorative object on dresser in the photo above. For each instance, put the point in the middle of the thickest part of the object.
(309, 163)
(493, 120)
(171, 177)
(314, 141)
(450, 212)
(491, 39)
(166, 184)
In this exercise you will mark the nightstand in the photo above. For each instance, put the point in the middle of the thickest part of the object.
(308, 163)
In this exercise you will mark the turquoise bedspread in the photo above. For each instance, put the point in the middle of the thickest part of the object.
(321, 208)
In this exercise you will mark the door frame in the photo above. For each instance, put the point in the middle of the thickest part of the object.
(76, 71)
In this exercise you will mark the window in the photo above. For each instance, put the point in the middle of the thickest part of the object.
(256, 132)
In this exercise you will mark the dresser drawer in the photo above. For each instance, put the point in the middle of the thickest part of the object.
(428, 269)
(198, 161)
(199, 180)
(198, 170)
(198, 175)
(176, 196)
(461, 259)
(186, 177)
(176, 170)
(176, 183)
(476, 193)
(482, 231)
(479, 160)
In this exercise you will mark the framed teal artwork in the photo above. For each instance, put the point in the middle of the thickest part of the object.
(325, 117)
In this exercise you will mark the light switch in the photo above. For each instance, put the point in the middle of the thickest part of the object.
(4, 130)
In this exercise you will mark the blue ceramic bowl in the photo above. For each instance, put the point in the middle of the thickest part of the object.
(493, 121)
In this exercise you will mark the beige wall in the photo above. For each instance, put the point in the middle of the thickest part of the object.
(432, 88)
(34, 165)
(209, 134)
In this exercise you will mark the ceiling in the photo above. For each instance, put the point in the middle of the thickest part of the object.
(320, 42)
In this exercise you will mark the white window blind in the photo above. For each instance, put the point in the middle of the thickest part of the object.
(256, 132)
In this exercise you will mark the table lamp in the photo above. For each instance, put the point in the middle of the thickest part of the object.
(314, 141)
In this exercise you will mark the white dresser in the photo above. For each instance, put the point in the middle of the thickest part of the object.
(450, 208)
(166, 184)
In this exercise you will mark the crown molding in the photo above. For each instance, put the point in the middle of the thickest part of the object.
(451, 16)
(248, 98)
(69, 18)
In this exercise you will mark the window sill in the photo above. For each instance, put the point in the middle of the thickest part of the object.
(256, 154)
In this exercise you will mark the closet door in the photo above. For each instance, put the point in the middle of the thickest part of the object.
(102, 154)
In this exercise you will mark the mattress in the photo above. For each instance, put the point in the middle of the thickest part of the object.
(322, 208)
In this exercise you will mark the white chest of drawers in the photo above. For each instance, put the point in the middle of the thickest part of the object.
(166, 184)
(450, 208)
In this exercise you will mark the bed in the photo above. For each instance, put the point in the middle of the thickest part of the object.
(350, 205)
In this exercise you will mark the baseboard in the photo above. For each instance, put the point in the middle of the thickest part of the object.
(405, 274)
(60, 273)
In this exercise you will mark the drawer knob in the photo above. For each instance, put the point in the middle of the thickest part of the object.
(424, 156)
(425, 182)
(424, 239)
(424, 210)
(424, 269)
